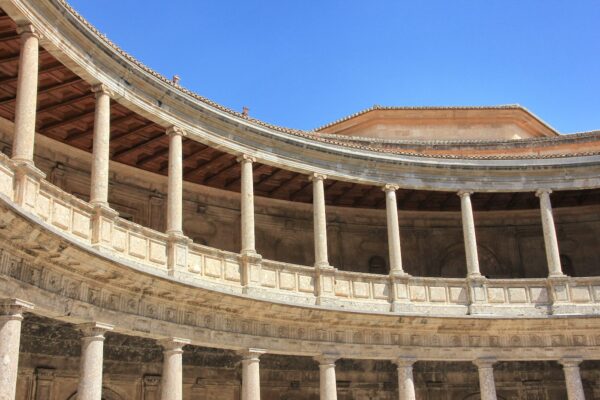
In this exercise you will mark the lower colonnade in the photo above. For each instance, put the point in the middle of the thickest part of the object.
(92, 350)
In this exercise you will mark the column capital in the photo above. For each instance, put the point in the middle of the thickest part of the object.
(390, 187)
(245, 158)
(175, 131)
(100, 89)
(543, 192)
(29, 30)
(14, 308)
(327, 358)
(315, 176)
(405, 361)
(95, 329)
(173, 344)
(251, 354)
(464, 193)
(485, 362)
(570, 362)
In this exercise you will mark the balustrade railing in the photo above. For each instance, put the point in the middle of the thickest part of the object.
(279, 281)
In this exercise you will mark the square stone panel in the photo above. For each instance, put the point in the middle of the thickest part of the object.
(119, 236)
(418, 293)
(381, 291)
(539, 295)
(137, 246)
(458, 295)
(437, 294)
(361, 290)
(212, 267)
(496, 295)
(232, 271)
(517, 295)
(6, 183)
(61, 215)
(306, 283)
(43, 206)
(580, 294)
(81, 224)
(268, 278)
(342, 288)
(194, 262)
(287, 281)
(158, 252)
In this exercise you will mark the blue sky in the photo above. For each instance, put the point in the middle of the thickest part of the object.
(302, 64)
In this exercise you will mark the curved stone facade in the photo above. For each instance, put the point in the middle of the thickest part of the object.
(170, 248)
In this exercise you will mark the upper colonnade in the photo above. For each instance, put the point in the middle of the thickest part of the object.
(80, 245)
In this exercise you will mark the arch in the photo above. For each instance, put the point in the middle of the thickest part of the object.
(453, 263)
(107, 394)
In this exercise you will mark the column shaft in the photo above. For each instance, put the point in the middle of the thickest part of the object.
(92, 355)
(573, 379)
(406, 384)
(327, 382)
(25, 107)
(101, 147)
(487, 384)
(247, 206)
(251, 374)
(175, 182)
(172, 375)
(550, 240)
(10, 336)
(393, 230)
(320, 222)
(469, 234)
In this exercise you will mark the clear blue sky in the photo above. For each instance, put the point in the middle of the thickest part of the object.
(304, 63)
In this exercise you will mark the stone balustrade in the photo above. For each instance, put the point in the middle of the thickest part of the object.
(283, 282)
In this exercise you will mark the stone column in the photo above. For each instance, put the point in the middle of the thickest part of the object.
(573, 378)
(25, 107)
(469, 234)
(175, 183)
(320, 223)
(550, 240)
(11, 315)
(327, 385)
(172, 375)
(487, 385)
(247, 206)
(92, 354)
(177, 242)
(393, 230)
(406, 384)
(251, 374)
(101, 147)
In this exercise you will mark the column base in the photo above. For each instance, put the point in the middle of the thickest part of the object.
(251, 263)
(324, 284)
(478, 302)
(26, 183)
(177, 251)
(103, 218)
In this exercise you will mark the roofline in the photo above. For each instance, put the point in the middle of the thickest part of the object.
(377, 107)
